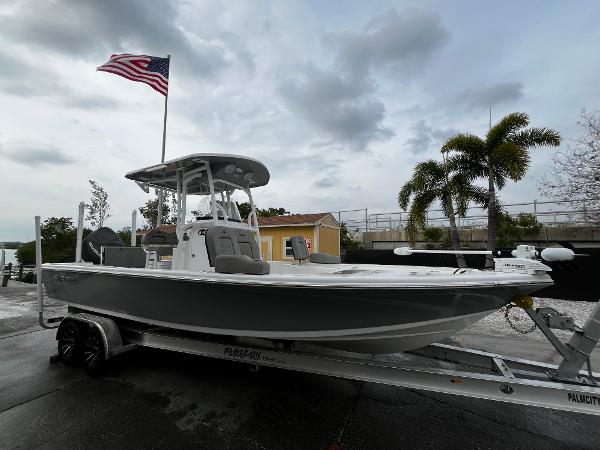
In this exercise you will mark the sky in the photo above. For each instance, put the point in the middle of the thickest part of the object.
(339, 99)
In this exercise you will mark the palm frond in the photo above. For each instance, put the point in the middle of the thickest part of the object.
(472, 168)
(471, 194)
(510, 160)
(507, 126)
(405, 194)
(536, 137)
(418, 212)
(426, 176)
(468, 144)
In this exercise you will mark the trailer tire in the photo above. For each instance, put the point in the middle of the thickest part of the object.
(69, 337)
(93, 355)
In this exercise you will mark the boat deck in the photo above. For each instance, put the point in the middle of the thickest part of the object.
(366, 275)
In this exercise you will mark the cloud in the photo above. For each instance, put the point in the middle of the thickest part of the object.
(403, 42)
(492, 95)
(341, 102)
(35, 155)
(326, 182)
(424, 136)
(23, 79)
(343, 108)
(90, 29)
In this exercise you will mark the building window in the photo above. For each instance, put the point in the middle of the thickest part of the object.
(287, 248)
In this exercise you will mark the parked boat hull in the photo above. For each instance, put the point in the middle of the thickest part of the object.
(364, 319)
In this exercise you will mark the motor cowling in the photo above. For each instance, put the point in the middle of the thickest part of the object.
(93, 243)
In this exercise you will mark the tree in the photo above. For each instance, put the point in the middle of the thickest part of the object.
(98, 209)
(446, 183)
(512, 229)
(271, 212)
(346, 239)
(502, 155)
(125, 235)
(59, 239)
(433, 237)
(575, 172)
(169, 213)
(244, 208)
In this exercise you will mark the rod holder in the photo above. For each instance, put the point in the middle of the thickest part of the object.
(38, 271)
(79, 231)
(133, 241)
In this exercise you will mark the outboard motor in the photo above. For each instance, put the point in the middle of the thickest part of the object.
(93, 243)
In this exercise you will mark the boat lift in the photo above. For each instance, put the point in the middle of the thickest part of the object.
(473, 373)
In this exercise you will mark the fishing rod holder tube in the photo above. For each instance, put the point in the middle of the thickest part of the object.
(39, 277)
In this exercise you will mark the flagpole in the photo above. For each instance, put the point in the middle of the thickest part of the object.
(162, 159)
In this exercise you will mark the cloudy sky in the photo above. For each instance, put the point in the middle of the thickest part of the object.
(340, 99)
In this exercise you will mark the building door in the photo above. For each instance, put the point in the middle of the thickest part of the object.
(266, 248)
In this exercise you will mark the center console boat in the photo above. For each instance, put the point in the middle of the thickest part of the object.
(209, 277)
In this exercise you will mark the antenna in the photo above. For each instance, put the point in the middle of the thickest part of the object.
(490, 117)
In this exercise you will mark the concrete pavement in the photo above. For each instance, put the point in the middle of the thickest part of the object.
(157, 399)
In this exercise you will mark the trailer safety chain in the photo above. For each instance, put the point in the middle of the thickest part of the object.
(507, 309)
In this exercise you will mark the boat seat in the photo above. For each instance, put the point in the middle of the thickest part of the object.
(324, 258)
(221, 241)
(299, 248)
(241, 264)
(160, 241)
(248, 244)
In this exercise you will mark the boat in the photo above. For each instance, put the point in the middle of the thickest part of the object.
(209, 277)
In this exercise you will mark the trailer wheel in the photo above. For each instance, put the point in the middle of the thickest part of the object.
(69, 336)
(93, 351)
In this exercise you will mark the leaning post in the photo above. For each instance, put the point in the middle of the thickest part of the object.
(79, 231)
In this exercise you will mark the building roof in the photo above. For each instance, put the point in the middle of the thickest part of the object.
(168, 228)
(291, 219)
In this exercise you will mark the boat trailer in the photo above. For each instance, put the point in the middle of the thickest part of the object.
(474, 373)
(91, 339)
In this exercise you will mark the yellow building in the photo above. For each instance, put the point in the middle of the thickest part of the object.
(321, 231)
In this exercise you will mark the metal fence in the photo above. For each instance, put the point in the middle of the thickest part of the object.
(547, 212)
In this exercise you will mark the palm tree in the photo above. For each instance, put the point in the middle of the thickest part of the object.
(443, 182)
(503, 155)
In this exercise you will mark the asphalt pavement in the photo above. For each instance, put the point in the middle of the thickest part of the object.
(157, 399)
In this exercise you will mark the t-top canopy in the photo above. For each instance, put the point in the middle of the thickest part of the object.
(239, 170)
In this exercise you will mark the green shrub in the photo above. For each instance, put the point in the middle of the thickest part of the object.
(28, 277)
(511, 230)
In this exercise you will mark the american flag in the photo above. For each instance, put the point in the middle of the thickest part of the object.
(145, 69)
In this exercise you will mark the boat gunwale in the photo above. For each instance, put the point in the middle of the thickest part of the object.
(503, 279)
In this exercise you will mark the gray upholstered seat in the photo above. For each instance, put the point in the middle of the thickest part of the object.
(234, 251)
(241, 264)
(221, 241)
(247, 243)
(324, 258)
(299, 248)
